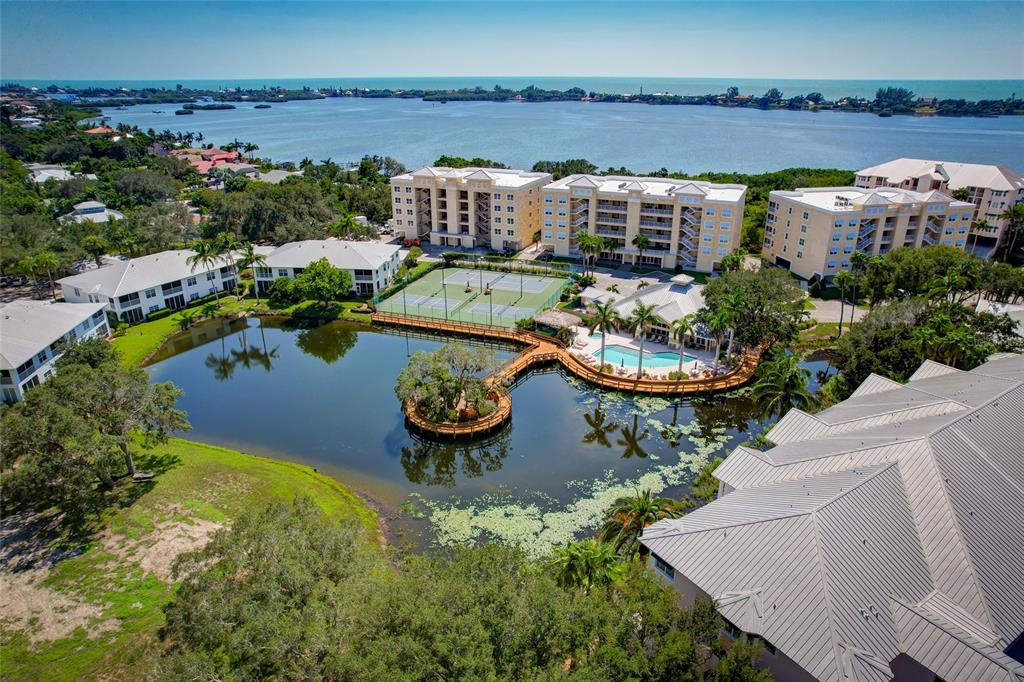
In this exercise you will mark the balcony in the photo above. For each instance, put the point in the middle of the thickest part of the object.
(172, 291)
(611, 221)
(656, 237)
(655, 211)
(605, 232)
(605, 206)
(657, 224)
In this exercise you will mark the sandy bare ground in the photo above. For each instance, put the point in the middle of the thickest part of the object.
(44, 614)
(156, 551)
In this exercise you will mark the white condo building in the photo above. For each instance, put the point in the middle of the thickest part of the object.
(135, 288)
(992, 189)
(880, 539)
(689, 223)
(372, 265)
(33, 335)
(495, 208)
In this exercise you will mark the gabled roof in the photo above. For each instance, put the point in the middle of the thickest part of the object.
(958, 174)
(341, 254)
(901, 533)
(583, 181)
(27, 327)
(137, 274)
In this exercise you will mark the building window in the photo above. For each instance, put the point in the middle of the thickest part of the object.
(150, 293)
(803, 228)
(510, 197)
(723, 251)
(497, 220)
(662, 567)
(154, 308)
(706, 250)
(851, 235)
(548, 211)
(806, 215)
(847, 249)
(723, 239)
(836, 236)
(561, 235)
(724, 225)
(511, 221)
(799, 254)
(547, 234)
(802, 241)
(547, 223)
(282, 272)
(709, 224)
(709, 211)
(707, 237)
(210, 276)
(497, 231)
(834, 251)
(548, 199)
(852, 222)
(726, 212)
(191, 281)
(562, 200)
(193, 296)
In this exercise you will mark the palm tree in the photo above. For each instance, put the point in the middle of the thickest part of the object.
(204, 255)
(587, 563)
(626, 519)
(252, 259)
(604, 320)
(1014, 216)
(28, 267)
(591, 246)
(843, 280)
(781, 384)
(729, 311)
(641, 242)
(976, 227)
(46, 261)
(678, 331)
(719, 323)
(226, 246)
(96, 245)
(637, 323)
(858, 263)
(345, 227)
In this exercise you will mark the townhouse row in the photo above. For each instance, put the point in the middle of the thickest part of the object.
(693, 225)
(33, 334)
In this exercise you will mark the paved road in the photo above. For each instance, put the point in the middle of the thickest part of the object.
(828, 311)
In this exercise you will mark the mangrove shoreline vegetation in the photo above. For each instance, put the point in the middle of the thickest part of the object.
(887, 100)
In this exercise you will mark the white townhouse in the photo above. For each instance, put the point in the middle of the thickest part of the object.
(133, 289)
(372, 265)
(33, 335)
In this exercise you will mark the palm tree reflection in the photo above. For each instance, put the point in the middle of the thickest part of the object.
(631, 439)
(600, 427)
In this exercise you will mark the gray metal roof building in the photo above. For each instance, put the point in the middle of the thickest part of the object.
(882, 538)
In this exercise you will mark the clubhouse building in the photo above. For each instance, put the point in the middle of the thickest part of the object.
(688, 223)
(813, 232)
(372, 265)
(494, 208)
(880, 539)
(33, 335)
(992, 190)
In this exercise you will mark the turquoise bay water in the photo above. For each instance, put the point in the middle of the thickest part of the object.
(943, 89)
(641, 137)
(325, 396)
(624, 356)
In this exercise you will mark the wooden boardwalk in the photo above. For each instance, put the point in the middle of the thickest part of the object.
(538, 350)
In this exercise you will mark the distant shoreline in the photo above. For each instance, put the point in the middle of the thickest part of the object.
(888, 101)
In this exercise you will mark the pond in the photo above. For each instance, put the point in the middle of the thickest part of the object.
(325, 396)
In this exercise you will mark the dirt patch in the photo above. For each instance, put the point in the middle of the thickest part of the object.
(157, 550)
(44, 614)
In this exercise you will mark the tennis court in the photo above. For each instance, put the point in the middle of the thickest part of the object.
(476, 295)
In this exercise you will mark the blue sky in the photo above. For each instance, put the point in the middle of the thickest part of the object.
(845, 40)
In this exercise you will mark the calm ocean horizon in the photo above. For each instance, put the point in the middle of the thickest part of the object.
(830, 88)
(641, 137)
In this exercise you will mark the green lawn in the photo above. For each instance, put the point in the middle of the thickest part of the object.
(196, 485)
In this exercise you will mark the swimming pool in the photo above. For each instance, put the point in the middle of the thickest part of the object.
(624, 356)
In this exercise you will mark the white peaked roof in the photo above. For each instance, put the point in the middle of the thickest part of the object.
(654, 187)
(341, 254)
(840, 199)
(27, 327)
(499, 177)
(145, 272)
(889, 524)
(672, 300)
(956, 174)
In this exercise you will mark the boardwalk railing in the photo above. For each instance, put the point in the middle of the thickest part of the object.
(539, 350)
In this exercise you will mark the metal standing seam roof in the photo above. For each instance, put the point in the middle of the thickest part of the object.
(922, 556)
(27, 327)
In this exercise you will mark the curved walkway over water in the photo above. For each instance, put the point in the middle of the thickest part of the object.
(541, 350)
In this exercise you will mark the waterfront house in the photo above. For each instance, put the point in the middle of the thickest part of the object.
(880, 539)
(689, 223)
(34, 334)
(372, 265)
(100, 130)
(132, 289)
(275, 176)
(39, 173)
(992, 190)
(93, 211)
(204, 160)
(495, 208)
(813, 232)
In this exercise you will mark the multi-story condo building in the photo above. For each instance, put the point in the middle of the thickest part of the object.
(813, 232)
(372, 265)
(689, 223)
(34, 334)
(496, 208)
(992, 190)
(879, 539)
(135, 288)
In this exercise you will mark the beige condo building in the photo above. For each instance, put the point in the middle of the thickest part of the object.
(495, 208)
(813, 232)
(992, 190)
(690, 223)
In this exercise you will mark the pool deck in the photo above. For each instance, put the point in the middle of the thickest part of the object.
(540, 349)
(587, 349)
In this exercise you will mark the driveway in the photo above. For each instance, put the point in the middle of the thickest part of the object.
(828, 311)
